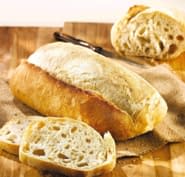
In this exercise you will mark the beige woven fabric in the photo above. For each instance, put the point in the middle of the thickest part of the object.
(9, 106)
(172, 128)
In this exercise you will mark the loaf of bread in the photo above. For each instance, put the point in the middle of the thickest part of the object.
(62, 79)
(11, 134)
(153, 33)
(67, 146)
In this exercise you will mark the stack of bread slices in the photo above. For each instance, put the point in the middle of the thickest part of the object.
(63, 145)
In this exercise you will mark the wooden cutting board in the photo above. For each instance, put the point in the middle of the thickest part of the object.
(17, 43)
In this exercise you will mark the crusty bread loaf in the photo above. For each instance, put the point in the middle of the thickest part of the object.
(11, 134)
(68, 146)
(62, 79)
(154, 33)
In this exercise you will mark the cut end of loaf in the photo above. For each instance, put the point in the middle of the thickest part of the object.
(151, 33)
(67, 146)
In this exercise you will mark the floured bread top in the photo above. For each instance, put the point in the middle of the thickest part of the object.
(90, 71)
(153, 32)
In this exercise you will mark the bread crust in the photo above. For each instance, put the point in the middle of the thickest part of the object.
(9, 147)
(53, 97)
(133, 11)
(38, 163)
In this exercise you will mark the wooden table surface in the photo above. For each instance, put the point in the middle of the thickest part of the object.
(17, 43)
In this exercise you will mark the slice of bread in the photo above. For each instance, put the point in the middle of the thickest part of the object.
(11, 134)
(154, 33)
(68, 146)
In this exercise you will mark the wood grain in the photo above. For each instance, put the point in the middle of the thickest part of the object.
(17, 43)
(96, 33)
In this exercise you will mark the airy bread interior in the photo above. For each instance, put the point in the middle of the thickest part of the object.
(152, 32)
(68, 146)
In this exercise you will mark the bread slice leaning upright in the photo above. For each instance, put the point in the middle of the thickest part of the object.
(62, 79)
(153, 33)
(68, 146)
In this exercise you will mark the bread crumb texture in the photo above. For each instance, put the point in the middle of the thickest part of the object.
(67, 143)
(153, 32)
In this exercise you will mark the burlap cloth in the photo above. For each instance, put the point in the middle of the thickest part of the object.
(171, 129)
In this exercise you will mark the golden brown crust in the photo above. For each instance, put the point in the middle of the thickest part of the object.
(9, 155)
(134, 10)
(64, 170)
(52, 97)
(9, 147)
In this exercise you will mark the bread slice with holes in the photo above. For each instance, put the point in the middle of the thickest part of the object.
(154, 33)
(11, 133)
(67, 146)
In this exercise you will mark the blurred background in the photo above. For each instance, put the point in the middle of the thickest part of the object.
(55, 12)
